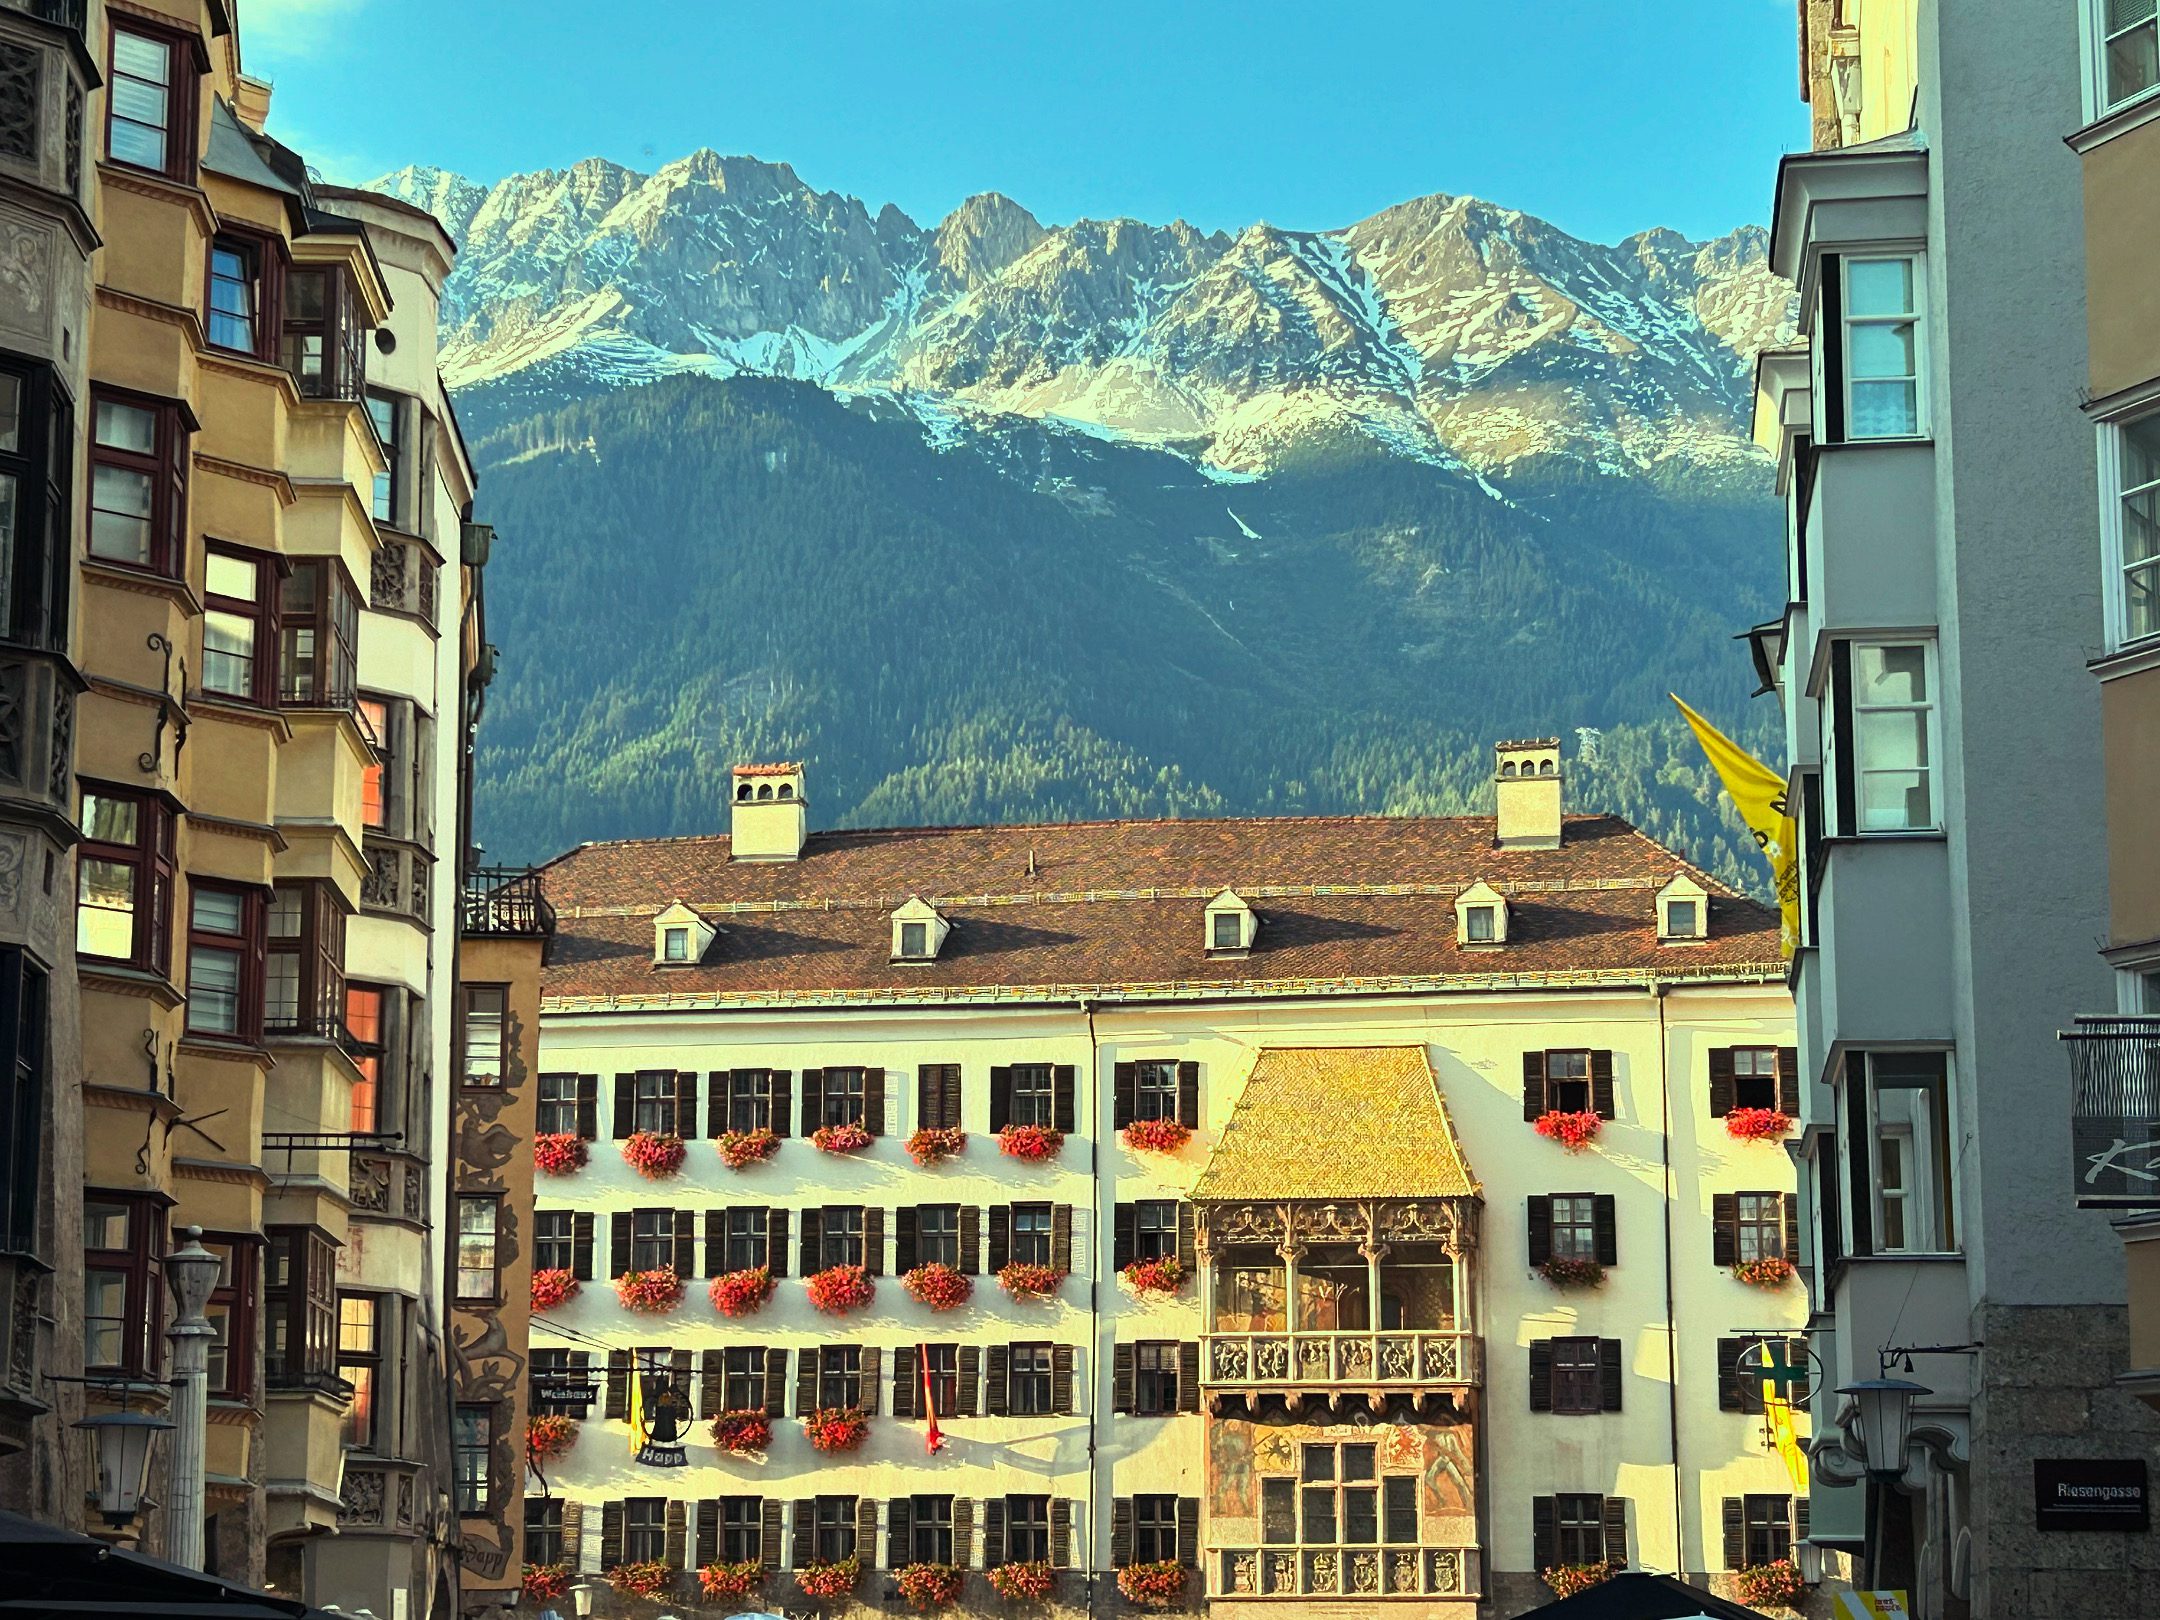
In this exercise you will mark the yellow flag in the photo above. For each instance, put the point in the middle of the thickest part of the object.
(1785, 1436)
(637, 1407)
(1758, 793)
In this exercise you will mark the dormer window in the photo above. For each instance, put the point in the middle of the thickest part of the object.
(1231, 925)
(1481, 916)
(680, 937)
(918, 931)
(1683, 911)
(675, 944)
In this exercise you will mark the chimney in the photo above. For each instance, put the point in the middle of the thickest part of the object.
(1526, 791)
(770, 818)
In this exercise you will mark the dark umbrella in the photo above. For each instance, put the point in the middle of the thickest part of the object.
(1633, 1595)
(51, 1571)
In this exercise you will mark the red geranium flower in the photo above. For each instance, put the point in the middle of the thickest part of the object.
(1033, 1143)
(1030, 1582)
(741, 1292)
(1757, 1124)
(928, 1586)
(1772, 1271)
(829, 1580)
(1153, 1586)
(1563, 1271)
(836, 1428)
(741, 1149)
(1165, 1275)
(649, 1579)
(839, 1289)
(848, 1138)
(558, 1153)
(1030, 1282)
(652, 1292)
(549, 1434)
(1568, 1579)
(1156, 1136)
(927, 1146)
(552, 1288)
(653, 1154)
(1761, 1586)
(1572, 1131)
(742, 1433)
(938, 1286)
(544, 1582)
(731, 1580)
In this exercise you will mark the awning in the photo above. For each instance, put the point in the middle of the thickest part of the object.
(51, 1571)
(1633, 1595)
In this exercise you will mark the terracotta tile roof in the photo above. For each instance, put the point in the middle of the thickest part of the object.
(1285, 1138)
(782, 769)
(1120, 904)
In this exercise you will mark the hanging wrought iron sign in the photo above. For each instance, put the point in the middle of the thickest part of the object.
(659, 1412)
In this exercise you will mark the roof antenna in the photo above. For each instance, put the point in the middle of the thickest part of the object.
(1031, 860)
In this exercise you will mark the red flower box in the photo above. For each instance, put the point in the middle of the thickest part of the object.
(839, 1289)
(1758, 1124)
(741, 1292)
(1027, 1583)
(649, 1579)
(549, 1434)
(544, 1582)
(1029, 1282)
(928, 1586)
(849, 1138)
(1762, 1586)
(1772, 1271)
(731, 1580)
(836, 1428)
(1032, 1143)
(552, 1288)
(1568, 1579)
(829, 1580)
(653, 1154)
(558, 1153)
(1563, 1271)
(653, 1292)
(1156, 1136)
(1165, 1275)
(928, 1147)
(1153, 1586)
(1572, 1131)
(742, 1434)
(938, 1286)
(741, 1149)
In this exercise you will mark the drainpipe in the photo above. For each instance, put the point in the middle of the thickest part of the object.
(1095, 1273)
(1672, 1314)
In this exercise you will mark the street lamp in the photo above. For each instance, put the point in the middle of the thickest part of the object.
(192, 1272)
(123, 1460)
(1885, 1414)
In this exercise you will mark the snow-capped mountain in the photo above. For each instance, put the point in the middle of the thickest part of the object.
(1447, 328)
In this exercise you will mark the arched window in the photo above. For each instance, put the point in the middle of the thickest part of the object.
(742, 791)
(764, 790)
(787, 790)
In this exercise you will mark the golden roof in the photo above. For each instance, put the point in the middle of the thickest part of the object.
(1338, 1122)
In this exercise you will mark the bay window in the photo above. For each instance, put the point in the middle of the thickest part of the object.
(138, 482)
(364, 1032)
(122, 1286)
(225, 961)
(1882, 742)
(2130, 524)
(305, 973)
(24, 1076)
(325, 342)
(124, 879)
(151, 77)
(2127, 36)
(37, 451)
(239, 625)
(318, 638)
(1897, 1123)
(1881, 346)
(359, 1363)
(242, 316)
(300, 1309)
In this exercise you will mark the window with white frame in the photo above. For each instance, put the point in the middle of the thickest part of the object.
(1893, 738)
(1902, 1121)
(2127, 36)
(1884, 395)
(2131, 521)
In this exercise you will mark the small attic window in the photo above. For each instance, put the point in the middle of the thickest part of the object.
(675, 944)
(914, 939)
(1229, 931)
(1481, 916)
(1680, 919)
(918, 931)
(1683, 912)
(1231, 925)
(1478, 924)
(680, 937)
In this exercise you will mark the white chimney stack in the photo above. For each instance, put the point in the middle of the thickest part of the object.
(770, 820)
(1526, 791)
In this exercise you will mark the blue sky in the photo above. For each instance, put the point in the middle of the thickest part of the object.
(1604, 116)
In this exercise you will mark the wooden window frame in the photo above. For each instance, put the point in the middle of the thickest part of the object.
(318, 953)
(1048, 1212)
(1580, 1380)
(471, 1486)
(165, 464)
(1027, 1528)
(363, 1418)
(742, 1530)
(484, 1081)
(1579, 1538)
(248, 949)
(1586, 1080)
(378, 714)
(1040, 1383)
(261, 262)
(665, 1116)
(1155, 1529)
(1155, 1089)
(1766, 1526)
(833, 1247)
(25, 1076)
(183, 90)
(548, 1120)
(545, 1243)
(659, 1243)
(844, 1097)
(319, 601)
(300, 1293)
(833, 1528)
(751, 1245)
(1156, 1224)
(1585, 1228)
(463, 1293)
(925, 1529)
(742, 1372)
(342, 373)
(1156, 1388)
(40, 467)
(388, 497)
(370, 1053)
(259, 613)
(544, 1539)
(1037, 1099)
(142, 1293)
(937, 1248)
(150, 857)
(748, 1104)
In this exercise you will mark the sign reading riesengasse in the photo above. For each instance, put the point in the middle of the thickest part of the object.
(2089, 1494)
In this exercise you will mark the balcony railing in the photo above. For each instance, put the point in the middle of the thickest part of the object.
(507, 901)
(2115, 1111)
(1356, 1572)
(1367, 1359)
(73, 14)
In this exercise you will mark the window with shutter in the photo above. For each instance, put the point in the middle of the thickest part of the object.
(1616, 1517)
(1578, 1529)
(1121, 1531)
(967, 1396)
(994, 1533)
(1721, 1081)
(581, 1246)
(1154, 1373)
(931, 1529)
(1754, 1076)
(1154, 1090)
(970, 1260)
(1030, 1095)
(1026, 1528)
(1155, 1529)
(1567, 1082)
(1577, 1376)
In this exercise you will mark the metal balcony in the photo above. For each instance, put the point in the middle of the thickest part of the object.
(506, 903)
(69, 14)
(2115, 1111)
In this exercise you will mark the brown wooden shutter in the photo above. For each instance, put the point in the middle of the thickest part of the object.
(1187, 1250)
(1124, 1235)
(873, 1377)
(769, 1535)
(611, 1534)
(813, 1100)
(1724, 1229)
(1800, 1521)
(1605, 1223)
(1616, 1531)
(712, 1384)
(1609, 1375)
(1124, 1089)
(1735, 1533)
(970, 1239)
(1544, 1532)
(899, 1532)
(588, 1106)
(780, 1100)
(618, 1243)
(684, 1257)
(806, 1380)
(1188, 1095)
(866, 1530)
(967, 1400)
(676, 1522)
(1788, 1081)
(1000, 1237)
(995, 1389)
(776, 1383)
(1061, 1379)
(1601, 1085)
(625, 1105)
(1723, 1089)
(1533, 1084)
(581, 1245)
(1188, 1375)
(1061, 1239)
(573, 1533)
(776, 1243)
(903, 1242)
(618, 1385)
(1121, 1537)
(805, 1532)
(963, 1532)
(1792, 1227)
(1060, 1532)
(716, 1102)
(1064, 1087)
(1729, 1395)
(686, 1105)
(1541, 1375)
(929, 1095)
(873, 1241)
(993, 1532)
(679, 1366)
(1188, 1531)
(1122, 1374)
(715, 1242)
(906, 1383)
(813, 1241)
(955, 1095)
(873, 1101)
(708, 1531)
(1540, 1228)
(1000, 1099)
